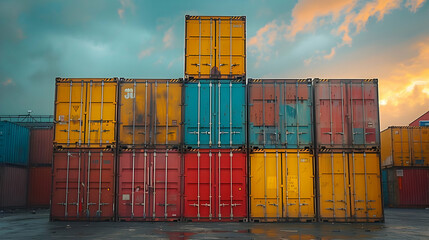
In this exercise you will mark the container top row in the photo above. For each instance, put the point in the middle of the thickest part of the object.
(262, 113)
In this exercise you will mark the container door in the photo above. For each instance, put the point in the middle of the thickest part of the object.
(230, 46)
(401, 146)
(266, 171)
(298, 178)
(333, 186)
(101, 108)
(418, 146)
(135, 113)
(70, 113)
(366, 202)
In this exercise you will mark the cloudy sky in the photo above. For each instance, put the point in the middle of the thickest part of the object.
(384, 39)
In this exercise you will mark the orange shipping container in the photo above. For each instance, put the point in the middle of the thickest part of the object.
(150, 112)
(85, 112)
(405, 146)
(215, 47)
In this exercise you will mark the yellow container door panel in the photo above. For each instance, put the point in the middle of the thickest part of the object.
(386, 148)
(174, 113)
(265, 186)
(365, 186)
(70, 113)
(199, 66)
(333, 175)
(306, 188)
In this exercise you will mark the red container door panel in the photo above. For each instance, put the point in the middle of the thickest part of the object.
(414, 188)
(39, 186)
(149, 191)
(214, 193)
(264, 109)
(83, 185)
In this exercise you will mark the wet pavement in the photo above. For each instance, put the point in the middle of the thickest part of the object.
(399, 224)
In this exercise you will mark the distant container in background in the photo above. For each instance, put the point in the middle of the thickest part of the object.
(346, 113)
(215, 114)
(349, 186)
(280, 113)
(85, 112)
(150, 112)
(424, 123)
(405, 146)
(41, 147)
(215, 47)
(407, 187)
(423, 120)
(14, 144)
(39, 186)
(13, 186)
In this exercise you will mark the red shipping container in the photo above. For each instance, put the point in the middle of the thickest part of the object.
(13, 186)
(41, 146)
(83, 185)
(408, 187)
(39, 187)
(347, 113)
(149, 185)
(215, 185)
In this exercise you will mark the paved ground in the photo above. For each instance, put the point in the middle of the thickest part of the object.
(400, 224)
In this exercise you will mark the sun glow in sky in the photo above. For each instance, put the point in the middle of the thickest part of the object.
(384, 39)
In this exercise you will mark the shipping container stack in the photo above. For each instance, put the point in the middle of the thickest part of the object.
(14, 154)
(214, 130)
(149, 161)
(281, 143)
(83, 181)
(40, 166)
(347, 138)
(405, 163)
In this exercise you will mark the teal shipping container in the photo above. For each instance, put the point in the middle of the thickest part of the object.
(385, 187)
(280, 113)
(14, 144)
(215, 114)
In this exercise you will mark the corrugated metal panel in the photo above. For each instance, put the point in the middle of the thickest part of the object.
(83, 185)
(408, 187)
(149, 185)
(14, 144)
(346, 113)
(150, 112)
(13, 187)
(39, 186)
(215, 47)
(280, 113)
(215, 113)
(385, 185)
(281, 185)
(405, 146)
(41, 147)
(85, 112)
(350, 187)
(215, 185)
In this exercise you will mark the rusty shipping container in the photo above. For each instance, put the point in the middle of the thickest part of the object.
(282, 185)
(150, 112)
(349, 186)
(149, 185)
(215, 47)
(41, 148)
(280, 113)
(85, 112)
(346, 113)
(83, 185)
(13, 186)
(405, 146)
(39, 186)
(14, 144)
(407, 187)
(215, 114)
(215, 185)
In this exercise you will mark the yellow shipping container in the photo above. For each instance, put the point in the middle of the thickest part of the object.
(349, 187)
(405, 146)
(281, 185)
(215, 47)
(85, 112)
(150, 112)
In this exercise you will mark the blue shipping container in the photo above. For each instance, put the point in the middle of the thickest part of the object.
(215, 113)
(385, 187)
(14, 144)
(280, 113)
(424, 123)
